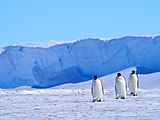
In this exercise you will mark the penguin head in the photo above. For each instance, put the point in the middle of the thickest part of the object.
(118, 74)
(133, 71)
(95, 77)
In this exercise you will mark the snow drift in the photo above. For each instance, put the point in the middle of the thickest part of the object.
(76, 62)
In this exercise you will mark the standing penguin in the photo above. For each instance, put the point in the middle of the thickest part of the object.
(133, 83)
(97, 89)
(120, 87)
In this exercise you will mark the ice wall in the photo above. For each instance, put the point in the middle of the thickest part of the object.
(76, 62)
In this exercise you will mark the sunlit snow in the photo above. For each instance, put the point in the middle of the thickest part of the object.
(74, 102)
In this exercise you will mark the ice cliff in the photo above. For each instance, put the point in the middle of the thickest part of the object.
(77, 61)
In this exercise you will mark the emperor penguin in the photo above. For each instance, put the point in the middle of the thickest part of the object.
(120, 87)
(97, 89)
(133, 83)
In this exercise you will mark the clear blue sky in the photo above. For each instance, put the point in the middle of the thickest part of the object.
(43, 20)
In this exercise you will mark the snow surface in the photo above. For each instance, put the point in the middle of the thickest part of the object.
(77, 62)
(73, 102)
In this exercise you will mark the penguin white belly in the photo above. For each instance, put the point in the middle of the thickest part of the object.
(121, 88)
(133, 84)
(97, 89)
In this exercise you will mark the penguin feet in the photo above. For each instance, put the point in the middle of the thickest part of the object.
(120, 97)
(123, 98)
(99, 100)
(134, 94)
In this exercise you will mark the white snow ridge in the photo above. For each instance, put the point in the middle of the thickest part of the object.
(66, 71)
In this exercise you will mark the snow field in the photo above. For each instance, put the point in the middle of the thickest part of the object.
(75, 104)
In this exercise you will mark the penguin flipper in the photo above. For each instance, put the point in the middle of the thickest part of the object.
(126, 88)
(102, 88)
(138, 81)
(116, 92)
(125, 84)
(92, 89)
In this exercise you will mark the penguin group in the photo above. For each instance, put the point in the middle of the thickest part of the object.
(120, 86)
